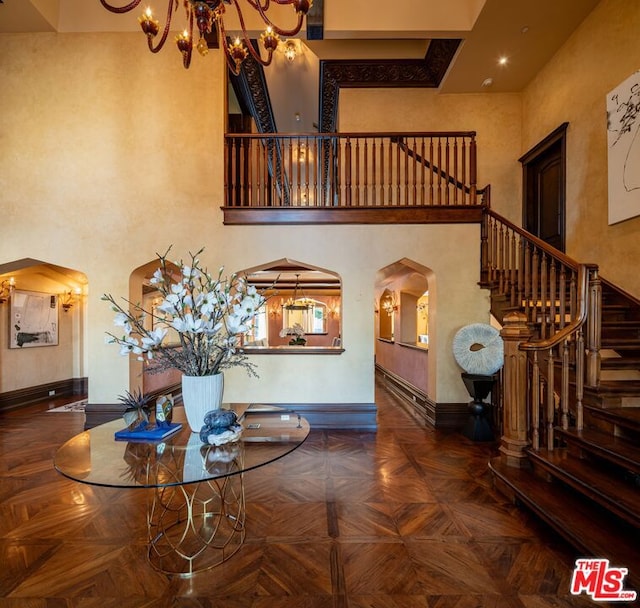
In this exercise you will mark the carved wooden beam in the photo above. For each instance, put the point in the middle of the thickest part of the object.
(337, 74)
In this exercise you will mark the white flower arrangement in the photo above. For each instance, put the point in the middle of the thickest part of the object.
(209, 316)
(297, 332)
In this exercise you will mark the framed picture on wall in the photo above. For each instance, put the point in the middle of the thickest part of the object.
(33, 319)
(623, 142)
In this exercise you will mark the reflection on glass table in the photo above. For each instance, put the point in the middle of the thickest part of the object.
(196, 509)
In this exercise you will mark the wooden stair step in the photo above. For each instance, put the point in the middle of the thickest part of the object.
(627, 417)
(599, 486)
(621, 322)
(620, 363)
(618, 451)
(583, 524)
(628, 388)
(619, 344)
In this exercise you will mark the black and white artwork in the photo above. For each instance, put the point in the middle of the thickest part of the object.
(34, 319)
(623, 143)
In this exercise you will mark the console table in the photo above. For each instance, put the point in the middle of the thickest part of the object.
(195, 502)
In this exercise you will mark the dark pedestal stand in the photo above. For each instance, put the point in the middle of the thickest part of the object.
(478, 387)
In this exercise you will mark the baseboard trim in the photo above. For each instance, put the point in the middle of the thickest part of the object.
(336, 416)
(42, 392)
(320, 416)
(439, 415)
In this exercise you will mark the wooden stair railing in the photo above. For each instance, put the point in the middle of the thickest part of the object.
(570, 448)
(556, 298)
(566, 346)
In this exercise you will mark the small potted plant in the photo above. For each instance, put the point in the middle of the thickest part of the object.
(136, 409)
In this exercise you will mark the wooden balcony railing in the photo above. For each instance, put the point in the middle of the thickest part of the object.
(357, 171)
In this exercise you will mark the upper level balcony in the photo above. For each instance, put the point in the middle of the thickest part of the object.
(352, 178)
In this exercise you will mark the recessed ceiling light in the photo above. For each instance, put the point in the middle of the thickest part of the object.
(503, 60)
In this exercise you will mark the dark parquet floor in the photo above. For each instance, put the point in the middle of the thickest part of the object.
(402, 518)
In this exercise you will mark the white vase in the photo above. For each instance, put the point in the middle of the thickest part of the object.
(201, 394)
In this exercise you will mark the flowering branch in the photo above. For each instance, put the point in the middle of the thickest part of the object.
(207, 314)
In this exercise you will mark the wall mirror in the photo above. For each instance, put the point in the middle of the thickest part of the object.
(303, 309)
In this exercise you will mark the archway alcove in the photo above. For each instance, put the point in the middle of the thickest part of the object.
(406, 298)
(43, 340)
(141, 290)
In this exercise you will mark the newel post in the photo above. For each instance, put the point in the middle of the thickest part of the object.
(514, 440)
(594, 329)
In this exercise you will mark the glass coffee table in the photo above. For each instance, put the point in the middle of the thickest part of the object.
(195, 502)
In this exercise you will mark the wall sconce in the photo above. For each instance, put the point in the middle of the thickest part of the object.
(389, 304)
(68, 299)
(6, 288)
(302, 153)
(274, 311)
(333, 308)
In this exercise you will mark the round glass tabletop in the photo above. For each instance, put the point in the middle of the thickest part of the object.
(95, 457)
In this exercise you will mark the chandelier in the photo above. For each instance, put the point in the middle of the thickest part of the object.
(298, 302)
(203, 15)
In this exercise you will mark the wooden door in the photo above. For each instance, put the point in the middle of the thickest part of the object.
(543, 179)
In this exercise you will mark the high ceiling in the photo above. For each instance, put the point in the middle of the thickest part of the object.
(527, 32)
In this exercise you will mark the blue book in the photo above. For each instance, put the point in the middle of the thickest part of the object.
(152, 433)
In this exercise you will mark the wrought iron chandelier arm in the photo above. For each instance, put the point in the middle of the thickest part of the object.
(120, 9)
(256, 55)
(259, 6)
(165, 33)
(163, 39)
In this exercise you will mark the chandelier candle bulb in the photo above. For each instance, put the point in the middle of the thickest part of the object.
(149, 25)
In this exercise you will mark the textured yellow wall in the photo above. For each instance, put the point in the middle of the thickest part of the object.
(110, 154)
(100, 169)
(572, 88)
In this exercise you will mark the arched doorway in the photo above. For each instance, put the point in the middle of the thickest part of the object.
(142, 290)
(406, 330)
(43, 342)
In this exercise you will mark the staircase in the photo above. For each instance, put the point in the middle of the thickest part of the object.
(579, 463)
